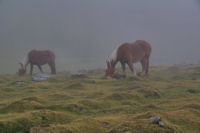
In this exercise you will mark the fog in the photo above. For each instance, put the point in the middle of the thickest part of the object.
(83, 33)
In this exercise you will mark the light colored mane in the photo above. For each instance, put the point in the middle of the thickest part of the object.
(113, 56)
(25, 61)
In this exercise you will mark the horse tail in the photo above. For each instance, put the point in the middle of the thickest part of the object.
(146, 47)
(52, 62)
(52, 66)
(147, 56)
(147, 50)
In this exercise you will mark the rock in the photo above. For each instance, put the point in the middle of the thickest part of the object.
(194, 78)
(79, 75)
(191, 90)
(20, 83)
(161, 124)
(157, 120)
(40, 77)
(105, 125)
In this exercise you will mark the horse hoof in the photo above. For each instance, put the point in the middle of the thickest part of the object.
(135, 75)
(141, 74)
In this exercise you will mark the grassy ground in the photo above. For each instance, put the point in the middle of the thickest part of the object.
(96, 105)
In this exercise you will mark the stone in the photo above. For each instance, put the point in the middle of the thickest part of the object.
(79, 75)
(157, 120)
(20, 83)
(40, 77)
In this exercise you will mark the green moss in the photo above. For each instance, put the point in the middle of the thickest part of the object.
(98, 105)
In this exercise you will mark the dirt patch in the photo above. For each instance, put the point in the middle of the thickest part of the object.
(76, 86)
(149, 92)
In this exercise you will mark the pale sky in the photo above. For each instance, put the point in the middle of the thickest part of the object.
(83, 33)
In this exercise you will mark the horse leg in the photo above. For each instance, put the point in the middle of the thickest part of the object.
(123, 68)
(31, 69)
(40, 68)
(147, 66)
(143, 67)
(132, 68)
(53, 67)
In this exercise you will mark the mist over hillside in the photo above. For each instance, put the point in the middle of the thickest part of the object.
(83, 33)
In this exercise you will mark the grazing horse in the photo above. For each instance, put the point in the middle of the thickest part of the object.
(38, 58)
(129, 53)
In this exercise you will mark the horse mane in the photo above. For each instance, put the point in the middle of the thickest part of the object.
(25, 60)
(113, 56)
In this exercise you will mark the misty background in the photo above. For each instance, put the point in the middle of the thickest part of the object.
(83, 33)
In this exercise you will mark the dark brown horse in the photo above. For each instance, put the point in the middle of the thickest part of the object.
(129, 53)
(38, 58)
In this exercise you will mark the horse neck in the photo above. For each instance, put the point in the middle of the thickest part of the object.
(25, 61)
(113, 63)
(114, 54)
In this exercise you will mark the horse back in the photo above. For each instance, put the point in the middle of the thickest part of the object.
(41, 57)
(134, 51)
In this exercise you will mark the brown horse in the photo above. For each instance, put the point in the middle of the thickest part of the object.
(129, 53)
(38, 58)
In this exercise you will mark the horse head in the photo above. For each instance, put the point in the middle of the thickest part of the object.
(110, 69)
(22, 70)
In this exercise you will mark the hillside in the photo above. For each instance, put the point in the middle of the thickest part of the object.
(93, 104)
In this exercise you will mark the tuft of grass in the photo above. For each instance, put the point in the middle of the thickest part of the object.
(65, 104)
(21, 106)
